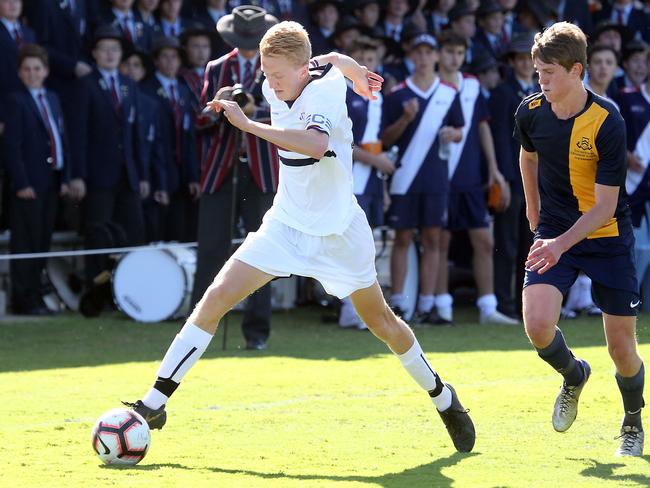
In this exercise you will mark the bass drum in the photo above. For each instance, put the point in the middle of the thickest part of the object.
(152, 285)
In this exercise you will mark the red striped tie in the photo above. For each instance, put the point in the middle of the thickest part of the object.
(18, 37)
(114, 95)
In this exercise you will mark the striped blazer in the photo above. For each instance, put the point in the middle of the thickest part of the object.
(220, 139)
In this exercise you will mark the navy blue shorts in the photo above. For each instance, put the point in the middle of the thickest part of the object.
(373, 206)
(609, 262)
(416, 210)
(468, 210)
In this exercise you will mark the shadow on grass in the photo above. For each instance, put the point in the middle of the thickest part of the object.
(424, 475)
(605, 471)
(145, 467)
(72, 341)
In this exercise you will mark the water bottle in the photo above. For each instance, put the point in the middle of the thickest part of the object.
(392, 154)
(444, 149)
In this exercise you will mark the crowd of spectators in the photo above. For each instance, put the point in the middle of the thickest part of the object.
(100, 108)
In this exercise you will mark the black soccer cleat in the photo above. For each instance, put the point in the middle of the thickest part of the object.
(459, 424)
(155, 418)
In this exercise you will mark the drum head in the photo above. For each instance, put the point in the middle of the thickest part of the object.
(149, 285)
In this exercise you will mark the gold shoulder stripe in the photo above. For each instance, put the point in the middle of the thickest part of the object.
(534, 104)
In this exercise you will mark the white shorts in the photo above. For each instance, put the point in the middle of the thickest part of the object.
(342, 263)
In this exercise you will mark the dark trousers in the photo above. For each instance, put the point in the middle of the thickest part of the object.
(177, 221)
(113, 217)
(31, 224)
(512, 241)
(214, 238)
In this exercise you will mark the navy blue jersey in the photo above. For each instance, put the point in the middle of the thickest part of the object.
(574, 155)
(421, 168)
(465, 160)
(366, 124)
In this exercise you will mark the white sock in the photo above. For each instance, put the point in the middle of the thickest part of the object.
(487, 304)
(186, 349)
(398, 300)
(425, 303)
(416, 364)
(444, 305)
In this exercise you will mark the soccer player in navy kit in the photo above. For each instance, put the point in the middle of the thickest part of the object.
(421, 116)
(573, 162)
(315, 226)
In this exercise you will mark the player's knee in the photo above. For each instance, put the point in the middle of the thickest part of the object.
(484, 245)
(383, 323)
(402, 240)
(621, 353)
(539, 326)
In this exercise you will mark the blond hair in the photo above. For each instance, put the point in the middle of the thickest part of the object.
(289, 40)
(562, 43)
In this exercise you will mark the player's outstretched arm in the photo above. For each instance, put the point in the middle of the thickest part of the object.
(365, 83)
(309, 142)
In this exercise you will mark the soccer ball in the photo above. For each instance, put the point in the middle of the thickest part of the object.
(121, 436)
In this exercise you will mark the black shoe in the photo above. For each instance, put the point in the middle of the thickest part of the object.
(458, 423)
(155, 418)
(34, 311)
(255, 345)
(431, 318)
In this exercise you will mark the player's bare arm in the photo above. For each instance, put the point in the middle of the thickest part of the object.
(365, 83)
(310, 142)
(528, 165)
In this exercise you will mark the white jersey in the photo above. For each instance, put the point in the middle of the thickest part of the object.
(315, 196)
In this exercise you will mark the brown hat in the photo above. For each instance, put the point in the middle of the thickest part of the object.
(245, 27)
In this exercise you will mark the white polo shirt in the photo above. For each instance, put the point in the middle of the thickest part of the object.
(315, 196)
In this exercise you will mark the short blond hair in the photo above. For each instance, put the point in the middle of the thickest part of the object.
(287, 39)
(562, 43)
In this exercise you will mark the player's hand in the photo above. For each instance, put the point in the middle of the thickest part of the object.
(366, 83)
(26, 193)
(384, 164)
(145, 189)
(543, 255)
(77, 189)
(64, 190)
(195, 191)
(161, 197)
(450, 134)
(634, 163)
(411, 108)
(232, 112)
(82, 69)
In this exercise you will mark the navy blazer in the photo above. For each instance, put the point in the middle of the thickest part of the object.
(9, 80)
(144, 33)
(181, 172)
(150, 146)
(105, 139)
(638, 23)
(27, 142)
(577, 12)
(503, 103)
(59, 32)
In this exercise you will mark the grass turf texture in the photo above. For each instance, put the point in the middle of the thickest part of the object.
(322, 407)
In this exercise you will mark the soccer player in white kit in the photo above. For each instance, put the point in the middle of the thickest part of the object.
(315, 227)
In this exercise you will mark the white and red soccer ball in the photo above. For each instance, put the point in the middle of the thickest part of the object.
(121, 436)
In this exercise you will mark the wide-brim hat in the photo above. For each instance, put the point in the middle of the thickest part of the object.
(459, 11)
(348, 23)
(108, 31)
(165, 42)
(245, 26)
(488, 7)
(632, 47)
(521, 43)
(197, 29)
(482, 63)
(608, 25)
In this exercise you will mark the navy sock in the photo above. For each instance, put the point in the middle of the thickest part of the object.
(632, 393)
(559, 356)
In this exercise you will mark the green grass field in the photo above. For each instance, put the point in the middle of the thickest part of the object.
(322, 407)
